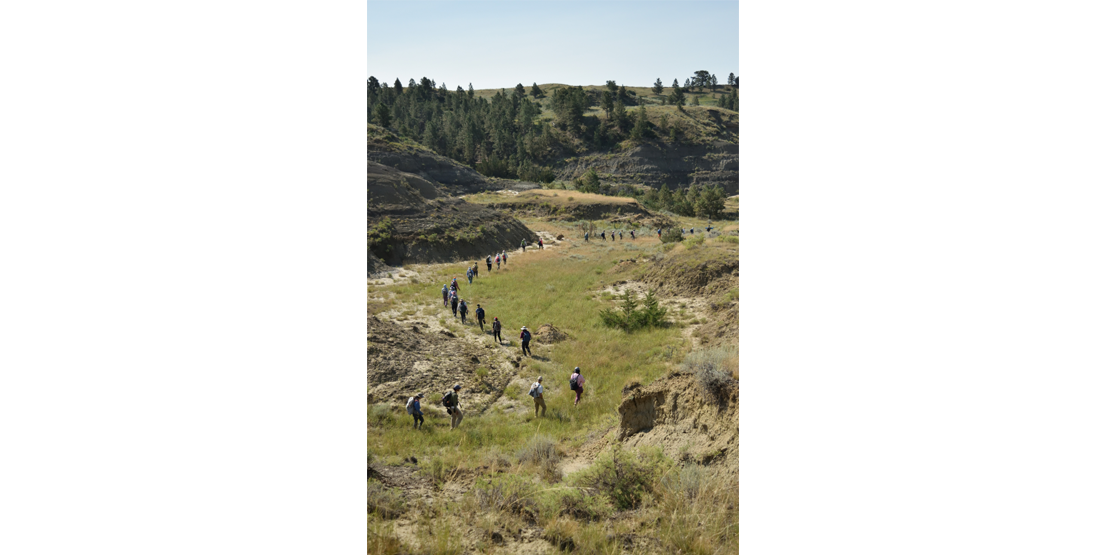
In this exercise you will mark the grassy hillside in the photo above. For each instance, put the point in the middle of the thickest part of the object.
(509, 482)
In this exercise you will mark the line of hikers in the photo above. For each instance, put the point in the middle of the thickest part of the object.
(620, 232)
(523, 244)
(454, 408)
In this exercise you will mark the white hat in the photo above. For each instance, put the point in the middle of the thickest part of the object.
(523, 327)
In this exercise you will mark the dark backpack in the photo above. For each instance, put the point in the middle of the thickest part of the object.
(573, 383)
(448, 399)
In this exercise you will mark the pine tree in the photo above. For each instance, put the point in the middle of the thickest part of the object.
(397, 86)
(382, 115)
(641, 125)
(658, 87)
(536, 91)
(607, 102)
(730, 80)
(695, 100)
(675, 84)
(519, 91)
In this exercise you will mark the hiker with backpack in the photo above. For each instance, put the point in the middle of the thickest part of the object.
(632, 235)
(480, 313)
(525, 340)
(496, 330)
(454, 303)
(462, 310)
(489, 263)
(454, 283)
(585, 236)
(475, 268)
(612, 235)
(413, 408)
(446, 295)
(658, 233)
(450, 401)
(470, 275)
(498, 261)
(536, 392)
(523, 245)
(505, 255)
(540, 243)
(602, 236)
(576, 383)
(620, 235)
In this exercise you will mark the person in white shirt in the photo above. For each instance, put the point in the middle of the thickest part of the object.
(536, 392)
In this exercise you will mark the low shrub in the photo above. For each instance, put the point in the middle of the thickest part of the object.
(714, 371)
(381, 414)
(694, 242)
(672, 235)
(625, 478)
(383, 501)
(506, 492)
(630, 318)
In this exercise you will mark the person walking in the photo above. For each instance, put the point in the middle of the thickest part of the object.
(489, 263)
(540, 243)
(446, 295)
(576, 383)
(454, 283)
(658, 233)
(413, 407)
(632, 235)
(470, 275)
(480, 314)
(523, 245)
(496, 331)
(602, 236)
(475, 268)
(505, 255)
(462, 310)
(454, 304)
(585, 236)
(620, 235)
(612, 235)
(536, 392)
(498, 261)
(525, 340)
(450, 400)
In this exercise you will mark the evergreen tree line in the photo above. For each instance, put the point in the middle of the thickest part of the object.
(499, 137)
(698, 201)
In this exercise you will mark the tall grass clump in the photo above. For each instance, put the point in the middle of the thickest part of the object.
(542, 451)
(714, 371)
(694, 242)
(627, 479)
(630, 318)
(383, 501)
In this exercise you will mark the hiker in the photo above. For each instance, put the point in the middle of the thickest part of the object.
(709, 228)
(505, 255)
(585, 236)
(496, 330)
(413, 407)
(470, 275)
(540, 243)
(446, 295)
(612, 235)
(693, 231)
(454, 304)
(498, 261)
(525, 339)
(576, 383)
(602, 236)
(523, 245)
(621, 234)
(489, 262)
(462, 310)
(480, 313)
(450, 400)
(632, 235)
(658, 233)
(475, 268)
(536, 392)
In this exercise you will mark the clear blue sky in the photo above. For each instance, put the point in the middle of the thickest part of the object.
(499, 44)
